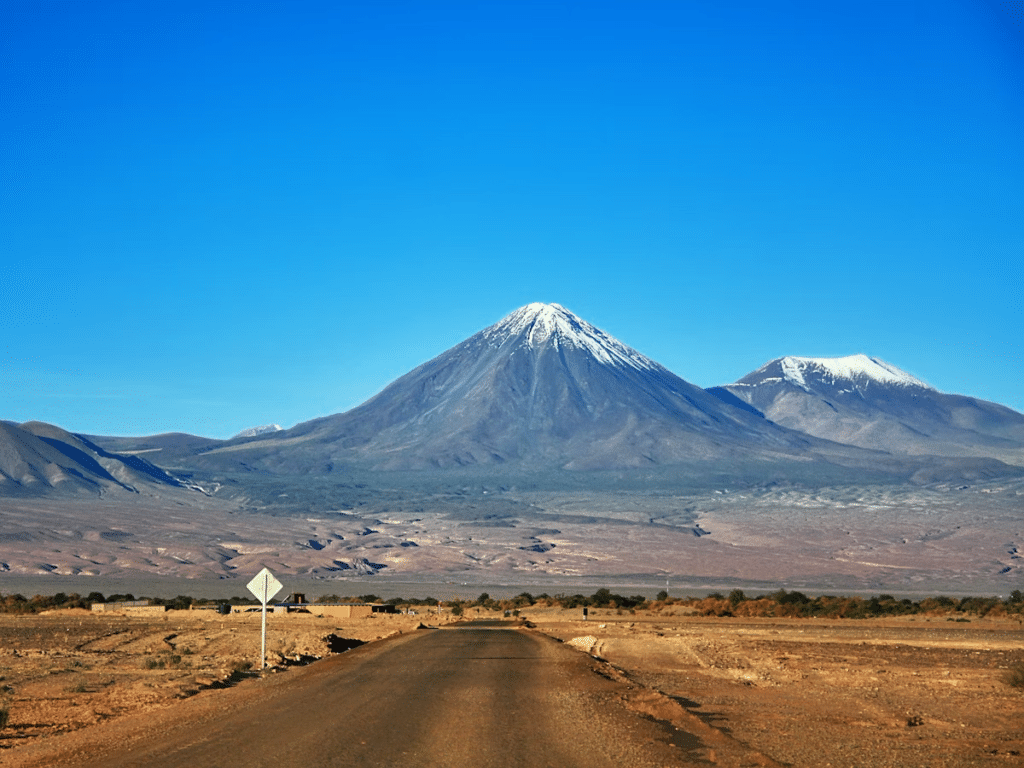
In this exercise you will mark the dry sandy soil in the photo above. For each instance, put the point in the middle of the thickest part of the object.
(67, 670)
(808, 692)
(803, 692)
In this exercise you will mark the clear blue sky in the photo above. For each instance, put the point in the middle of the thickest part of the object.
(215, 215)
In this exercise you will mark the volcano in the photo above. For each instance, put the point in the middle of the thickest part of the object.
(541, 389)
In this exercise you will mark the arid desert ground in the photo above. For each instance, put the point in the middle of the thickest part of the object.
(911, 691)
(899, 539)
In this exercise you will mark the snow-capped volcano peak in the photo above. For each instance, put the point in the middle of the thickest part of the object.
(540, 324)
(858, 369)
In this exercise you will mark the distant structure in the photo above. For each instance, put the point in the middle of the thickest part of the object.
(337, 610)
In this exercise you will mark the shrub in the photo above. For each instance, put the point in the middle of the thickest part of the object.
(1015, 676)
(791, 598)
(714, 606)
(5, 714)
(754, 608)
(239, 670)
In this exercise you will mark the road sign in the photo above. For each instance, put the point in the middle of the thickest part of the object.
(264, 586)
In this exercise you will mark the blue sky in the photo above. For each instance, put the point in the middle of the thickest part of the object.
(218, 215)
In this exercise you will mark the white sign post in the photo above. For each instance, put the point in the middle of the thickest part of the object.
(264, 586)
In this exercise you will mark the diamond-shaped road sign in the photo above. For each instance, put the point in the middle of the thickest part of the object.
(264, 585)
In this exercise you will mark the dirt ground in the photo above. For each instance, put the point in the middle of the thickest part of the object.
(920, 691)
(67, 670)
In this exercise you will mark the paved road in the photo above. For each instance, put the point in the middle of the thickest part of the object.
(455, 697)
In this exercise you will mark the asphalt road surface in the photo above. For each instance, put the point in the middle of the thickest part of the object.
(459, 697)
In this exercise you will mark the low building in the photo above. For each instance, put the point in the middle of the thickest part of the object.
(343, 610)
(129, 606)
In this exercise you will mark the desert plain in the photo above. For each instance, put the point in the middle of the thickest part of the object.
(923, 690)
(864, 538)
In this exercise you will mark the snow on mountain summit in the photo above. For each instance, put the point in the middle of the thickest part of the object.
(256, 431)
(539, 324)
(857, 369)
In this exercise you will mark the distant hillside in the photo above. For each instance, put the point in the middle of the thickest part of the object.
(41, 459)
(168, 450)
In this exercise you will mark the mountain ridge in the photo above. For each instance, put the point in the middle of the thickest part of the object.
(38, 458)
(848, 400)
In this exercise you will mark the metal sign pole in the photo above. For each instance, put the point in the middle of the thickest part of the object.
(263, 644)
